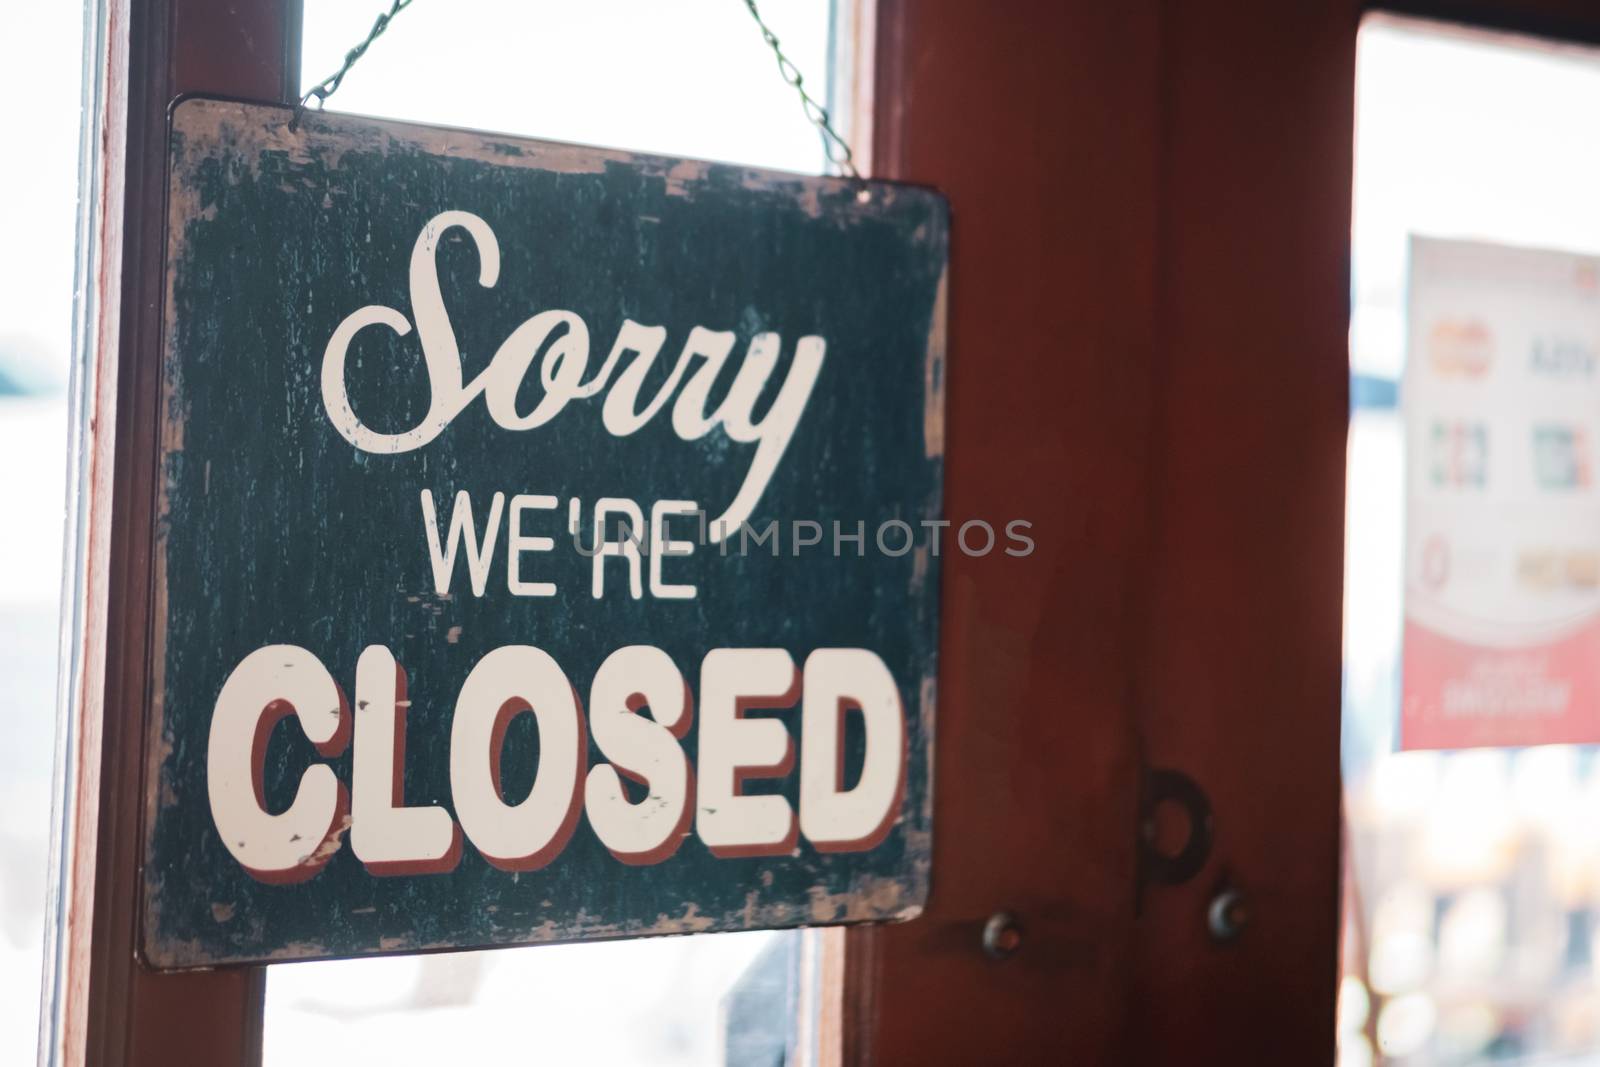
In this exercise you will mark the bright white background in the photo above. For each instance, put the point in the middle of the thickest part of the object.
(1494, 139)
(675, 77)
(1456, 136)
(40, 77)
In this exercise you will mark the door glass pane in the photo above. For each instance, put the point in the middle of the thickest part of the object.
(1472, 634)
(41, 79)
(675, 78)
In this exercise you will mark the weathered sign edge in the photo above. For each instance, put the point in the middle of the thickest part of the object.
(511, 151)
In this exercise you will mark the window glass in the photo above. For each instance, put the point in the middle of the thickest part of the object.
(41, 76)
(676, 78)
(1472, 616)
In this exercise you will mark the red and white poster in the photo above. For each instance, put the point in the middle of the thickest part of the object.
(1502, 570)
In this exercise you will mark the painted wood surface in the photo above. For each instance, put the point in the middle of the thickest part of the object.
(274, 529)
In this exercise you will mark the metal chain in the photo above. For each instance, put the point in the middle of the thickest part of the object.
(329, 85)
(834, 146)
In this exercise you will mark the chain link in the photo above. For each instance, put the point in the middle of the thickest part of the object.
(834, 146)
(329, 85)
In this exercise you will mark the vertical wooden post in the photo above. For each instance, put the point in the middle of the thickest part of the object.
(1038, 120)
(1149, 279)
(112, 1010)
(1238, 682)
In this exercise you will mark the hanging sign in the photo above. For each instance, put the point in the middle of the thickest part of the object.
(547, 543)
(1502, 412)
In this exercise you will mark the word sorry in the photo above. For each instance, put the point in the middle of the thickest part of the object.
(389, 837)
(562, 368)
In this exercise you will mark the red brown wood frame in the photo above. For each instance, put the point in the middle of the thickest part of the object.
(1148, 320)
(115, 1011)
(1148, 313)
(1040, 122)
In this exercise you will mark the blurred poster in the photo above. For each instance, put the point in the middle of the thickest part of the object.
(1502, 569)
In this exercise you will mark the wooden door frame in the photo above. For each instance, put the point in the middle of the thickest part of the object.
(1102, 162)
(1170, 184)
(106, 1007)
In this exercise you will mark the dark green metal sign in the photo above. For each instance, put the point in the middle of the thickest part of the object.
(547, 544)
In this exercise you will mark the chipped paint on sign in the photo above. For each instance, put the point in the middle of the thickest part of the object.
(460, 638)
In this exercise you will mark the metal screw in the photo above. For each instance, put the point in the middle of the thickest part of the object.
(1001, 936)
(1227, 916)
